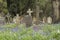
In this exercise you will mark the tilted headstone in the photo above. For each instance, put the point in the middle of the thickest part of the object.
(27, 20)
(49, 20)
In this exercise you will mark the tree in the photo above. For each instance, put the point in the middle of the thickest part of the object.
(56, 9)
(18, 6)
(46, 7)
(3, 7)
(5, 10)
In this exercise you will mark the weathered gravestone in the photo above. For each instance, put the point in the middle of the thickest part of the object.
(16, 19)
(49, 20)
(44, 19)
(27, 20)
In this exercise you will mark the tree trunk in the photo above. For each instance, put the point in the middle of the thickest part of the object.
(37, 9)
(56, 9)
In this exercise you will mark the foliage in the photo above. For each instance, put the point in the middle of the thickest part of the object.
(3, 6)
(54, 36)
(8, 36)
(24, 33)
(49, 28)
(17, 6)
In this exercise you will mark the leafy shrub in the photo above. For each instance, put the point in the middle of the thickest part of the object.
(8, 36)
(55, 36)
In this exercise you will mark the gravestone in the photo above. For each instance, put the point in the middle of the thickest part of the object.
(49, 20)
(44, 19)
(16, 19)
(27, 20)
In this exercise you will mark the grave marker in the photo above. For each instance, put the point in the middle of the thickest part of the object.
(27, 20)
(29, 11)
(16, 19)
(44, 19)
(49, 20)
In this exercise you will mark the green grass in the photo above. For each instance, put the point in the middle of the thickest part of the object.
(13, 25)
(9, 25)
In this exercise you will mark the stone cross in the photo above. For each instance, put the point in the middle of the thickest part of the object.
(29, 11)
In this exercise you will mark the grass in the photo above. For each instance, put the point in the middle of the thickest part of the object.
(9, 25)
(29, 34)
(13, 25)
